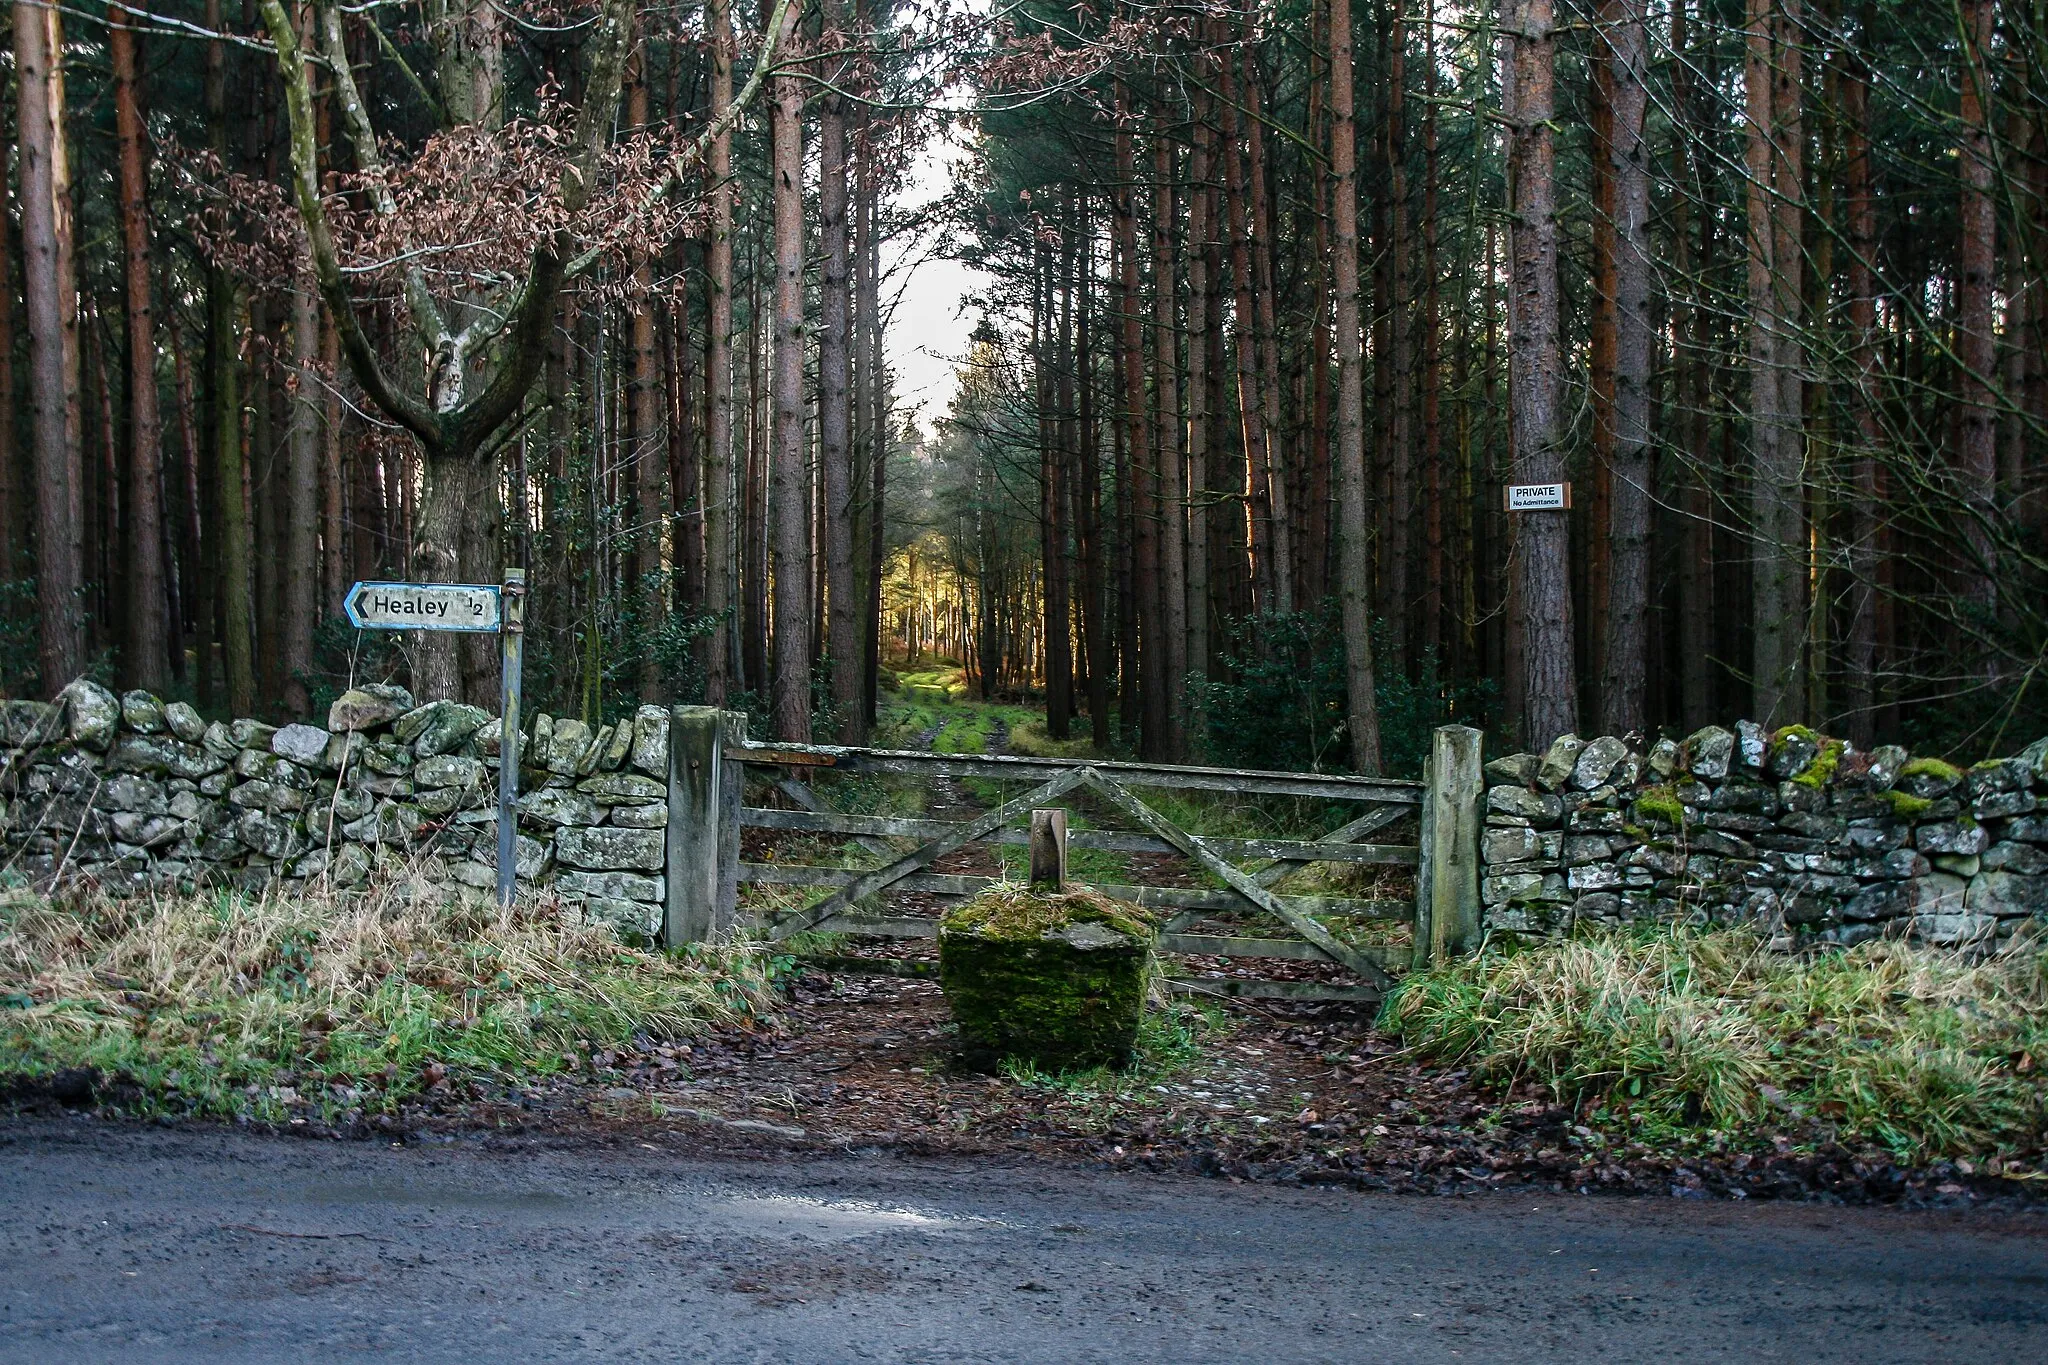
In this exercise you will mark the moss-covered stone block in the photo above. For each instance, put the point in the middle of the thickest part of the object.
(1054, 979)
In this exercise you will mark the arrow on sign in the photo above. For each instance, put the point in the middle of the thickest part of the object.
(423, 606)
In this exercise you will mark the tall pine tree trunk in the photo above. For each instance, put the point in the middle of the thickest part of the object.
(647, 451)
(720, 546)
(874, 400)
(1171, 662)
(1258, 514)
(1431, 636)
(13, 525)
(50, 291)
(1542, 573)
(835, 446)
(1354, 547)
(788, 481)
(1088, 497)
(1623, 689)
(1774, 159)
(1397, 593)
(1201, 318)
(301, 479)
(1975, 343)
(1055, 362)
(145, 663)
(1272, 475)
(1859, 652)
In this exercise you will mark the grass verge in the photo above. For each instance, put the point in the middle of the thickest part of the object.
(297, 1004)
(1685, 1033)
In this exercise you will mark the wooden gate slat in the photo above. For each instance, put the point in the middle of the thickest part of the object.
(818, 820)
(1259, 897)
(1197, 901)
(870, 882)
(1018, 767)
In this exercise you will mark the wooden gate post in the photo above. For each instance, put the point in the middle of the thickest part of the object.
(1447, 881)
(1049, 850)
(703, 824)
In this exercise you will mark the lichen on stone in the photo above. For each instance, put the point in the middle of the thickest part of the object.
(1055, 979)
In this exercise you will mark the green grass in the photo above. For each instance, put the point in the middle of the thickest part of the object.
(300, 1003)
(1681, 1032)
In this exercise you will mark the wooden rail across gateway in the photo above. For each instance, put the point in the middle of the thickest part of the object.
(709, 755)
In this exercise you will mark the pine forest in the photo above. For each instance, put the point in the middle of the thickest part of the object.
(1274, 304)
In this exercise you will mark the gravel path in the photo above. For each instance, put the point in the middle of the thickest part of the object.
(167, 1245)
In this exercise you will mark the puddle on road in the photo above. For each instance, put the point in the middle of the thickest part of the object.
(842, 1218)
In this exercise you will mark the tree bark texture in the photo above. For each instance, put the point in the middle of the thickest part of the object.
(1354, 546)
(145, 663)
(1548, 668)
(50, 291)
(788, 480)
(1626, 655)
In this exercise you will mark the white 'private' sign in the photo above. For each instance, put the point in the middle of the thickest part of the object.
(422, 606)
(1539, 497)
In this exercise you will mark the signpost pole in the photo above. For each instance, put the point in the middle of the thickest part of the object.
(512, 644)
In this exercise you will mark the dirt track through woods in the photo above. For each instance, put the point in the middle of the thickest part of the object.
(204, 1245)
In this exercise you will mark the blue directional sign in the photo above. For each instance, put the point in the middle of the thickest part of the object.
(423, 606)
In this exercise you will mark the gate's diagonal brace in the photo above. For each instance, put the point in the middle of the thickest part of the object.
(1352, 833)
(1280, 868)
(1158, 825)
(883, 877)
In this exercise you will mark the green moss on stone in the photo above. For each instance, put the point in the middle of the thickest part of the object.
(1785, 733)
(1817, 773)
(1055, 980)
(1931, 767)
(1660, 803)
(1906, 807)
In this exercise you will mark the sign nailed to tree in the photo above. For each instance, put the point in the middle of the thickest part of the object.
(423, 606)
(1539, 497)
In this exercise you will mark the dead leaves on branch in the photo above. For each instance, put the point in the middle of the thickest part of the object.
(471, 208)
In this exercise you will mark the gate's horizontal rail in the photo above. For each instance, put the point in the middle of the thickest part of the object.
(1290, 949)
(1015, 768)
(1238, 989)
(1189, 945)
(1120, 841)
(1152, 897)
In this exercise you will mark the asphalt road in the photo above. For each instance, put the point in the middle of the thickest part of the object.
(161, 1245)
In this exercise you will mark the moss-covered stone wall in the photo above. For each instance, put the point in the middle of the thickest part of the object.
(133, 792)
(1789, 829)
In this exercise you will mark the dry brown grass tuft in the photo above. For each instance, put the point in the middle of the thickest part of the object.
(209, 1002)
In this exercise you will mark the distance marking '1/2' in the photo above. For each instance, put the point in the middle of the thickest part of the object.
(423, 606)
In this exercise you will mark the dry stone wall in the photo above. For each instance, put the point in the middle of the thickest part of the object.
(137, 793)
(1789, 829)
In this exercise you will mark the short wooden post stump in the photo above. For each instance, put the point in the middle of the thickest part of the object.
(1056, 979)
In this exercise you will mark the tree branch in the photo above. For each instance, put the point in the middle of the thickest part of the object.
(533, 312)
(689, 157)
(427, 320)
(305, 168)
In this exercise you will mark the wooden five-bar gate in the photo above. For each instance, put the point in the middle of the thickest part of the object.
(710, 757)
